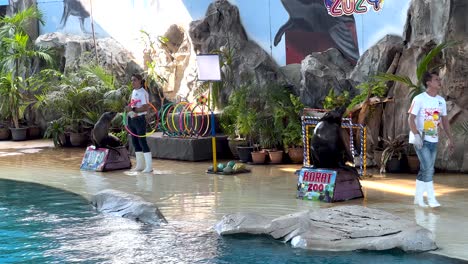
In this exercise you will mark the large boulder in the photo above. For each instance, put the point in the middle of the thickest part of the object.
(377, 59)
(75, 51)
(221, 29)
(322, 71)
(430, 23)
(128, 206)
(343, 228)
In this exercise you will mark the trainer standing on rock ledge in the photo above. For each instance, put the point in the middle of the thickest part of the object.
(427, 110)
(137, 110)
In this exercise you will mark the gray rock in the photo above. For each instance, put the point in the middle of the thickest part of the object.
(342, 228)
(221, 28)
(75, 51)
(430, 23)
(377, 59)
(322, 71)
(128, 206)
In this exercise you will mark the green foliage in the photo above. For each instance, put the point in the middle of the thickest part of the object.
(378, 87)
(333, 101)
(271, 118)
(461, 128)
(11, 97)
(17, 54)
(122, 136)
(80, 98)
(423, 66)
(54, 130)
(393, 147)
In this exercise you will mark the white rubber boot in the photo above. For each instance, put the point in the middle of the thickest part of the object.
(140, 162)
(419, 194)
(149, 162)
(431, 195)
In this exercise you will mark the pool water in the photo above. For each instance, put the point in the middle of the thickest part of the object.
(39, 224)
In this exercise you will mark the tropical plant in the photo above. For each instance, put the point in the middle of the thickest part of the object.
(423, 66)
(292, 133)
(17, 55)
(11, 97)
(367, 89)
(333, 100)
(55, 129)
(393, 148)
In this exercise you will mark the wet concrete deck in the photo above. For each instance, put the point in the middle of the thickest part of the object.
(183, 191)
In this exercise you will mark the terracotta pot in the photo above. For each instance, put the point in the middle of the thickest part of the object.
(34, 132)
(296, 154)
(276, 156)
(4, 133)
(258, 157)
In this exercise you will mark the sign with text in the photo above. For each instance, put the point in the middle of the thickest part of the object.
(316, 184)
(338, 8)
(94, 159)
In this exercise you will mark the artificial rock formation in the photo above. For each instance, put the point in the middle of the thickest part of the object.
(377, 59)
(322, 71)
(75, 51)
(221, 29)
(343, 228)
(175, 62)
(430, 23)
(128, 206)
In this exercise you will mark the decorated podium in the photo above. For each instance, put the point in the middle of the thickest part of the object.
(104, 159)
(328, 185)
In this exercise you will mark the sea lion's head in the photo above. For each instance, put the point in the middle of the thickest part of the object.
(335, 116)
(107, 117)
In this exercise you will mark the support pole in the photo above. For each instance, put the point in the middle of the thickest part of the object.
(213, 131)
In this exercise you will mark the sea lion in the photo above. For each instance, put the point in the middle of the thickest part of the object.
(328, 146)
(312, 16)
(100, 134)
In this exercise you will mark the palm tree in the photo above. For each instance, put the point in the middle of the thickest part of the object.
(17, 54)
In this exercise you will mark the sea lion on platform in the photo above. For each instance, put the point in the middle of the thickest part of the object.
(328, 146)
(100, 134)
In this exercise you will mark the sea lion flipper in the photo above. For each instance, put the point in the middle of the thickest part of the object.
(281, 31)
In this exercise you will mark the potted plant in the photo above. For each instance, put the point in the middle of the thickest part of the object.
(394, 155)
(292, 133)
(17, 55)
(237, 121)
(11, 102)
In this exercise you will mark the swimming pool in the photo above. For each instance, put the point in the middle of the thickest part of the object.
(39, 224)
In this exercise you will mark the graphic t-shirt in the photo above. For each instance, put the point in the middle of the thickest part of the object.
(428, 111)
(139, 97)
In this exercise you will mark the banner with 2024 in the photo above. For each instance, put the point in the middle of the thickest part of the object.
(338, 8)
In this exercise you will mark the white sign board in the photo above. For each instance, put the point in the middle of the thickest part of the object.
(208, 67)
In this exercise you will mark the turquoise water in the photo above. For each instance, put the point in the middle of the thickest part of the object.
(39, 224)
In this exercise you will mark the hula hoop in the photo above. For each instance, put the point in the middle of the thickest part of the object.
(162, 114)
(188, 115)
(124, 121)
(203, 116)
